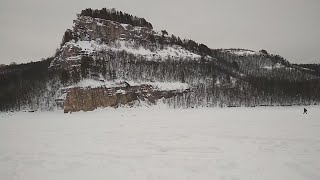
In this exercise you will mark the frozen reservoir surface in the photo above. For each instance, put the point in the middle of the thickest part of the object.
(262, 143)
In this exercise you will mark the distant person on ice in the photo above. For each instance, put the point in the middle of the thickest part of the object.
(305, 111)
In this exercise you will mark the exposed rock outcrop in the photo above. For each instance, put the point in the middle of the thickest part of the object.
(96, 31)
(88, 99)
(89, 28)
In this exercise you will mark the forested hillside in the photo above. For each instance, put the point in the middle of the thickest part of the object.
(28, 86)
(111, 46)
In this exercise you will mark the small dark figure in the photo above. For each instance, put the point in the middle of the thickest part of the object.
(305, 111)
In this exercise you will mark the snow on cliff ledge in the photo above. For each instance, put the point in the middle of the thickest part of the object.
(174, 52)
(241, 52)
(162, 86)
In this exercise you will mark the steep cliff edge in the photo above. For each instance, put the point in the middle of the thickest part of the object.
(88, 99)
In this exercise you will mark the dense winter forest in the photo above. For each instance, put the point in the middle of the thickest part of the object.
(32, 85)
(217, 77)
(27, 86)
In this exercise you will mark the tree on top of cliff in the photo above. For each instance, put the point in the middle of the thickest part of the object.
(118, 16)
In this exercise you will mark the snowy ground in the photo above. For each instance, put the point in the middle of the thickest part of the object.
(229, 144)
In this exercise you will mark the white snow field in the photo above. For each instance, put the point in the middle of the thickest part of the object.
(271, 143)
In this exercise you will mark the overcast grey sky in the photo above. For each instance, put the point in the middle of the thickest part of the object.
(32, 29)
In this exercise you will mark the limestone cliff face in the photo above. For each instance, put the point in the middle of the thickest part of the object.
(89, 28)
(94, 31)
(88, 99)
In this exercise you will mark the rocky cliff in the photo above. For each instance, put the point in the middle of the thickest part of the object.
(88, 99)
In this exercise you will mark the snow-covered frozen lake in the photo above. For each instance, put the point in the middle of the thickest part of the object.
(275, 143)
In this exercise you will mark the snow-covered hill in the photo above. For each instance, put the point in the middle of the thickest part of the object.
(106, 46)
